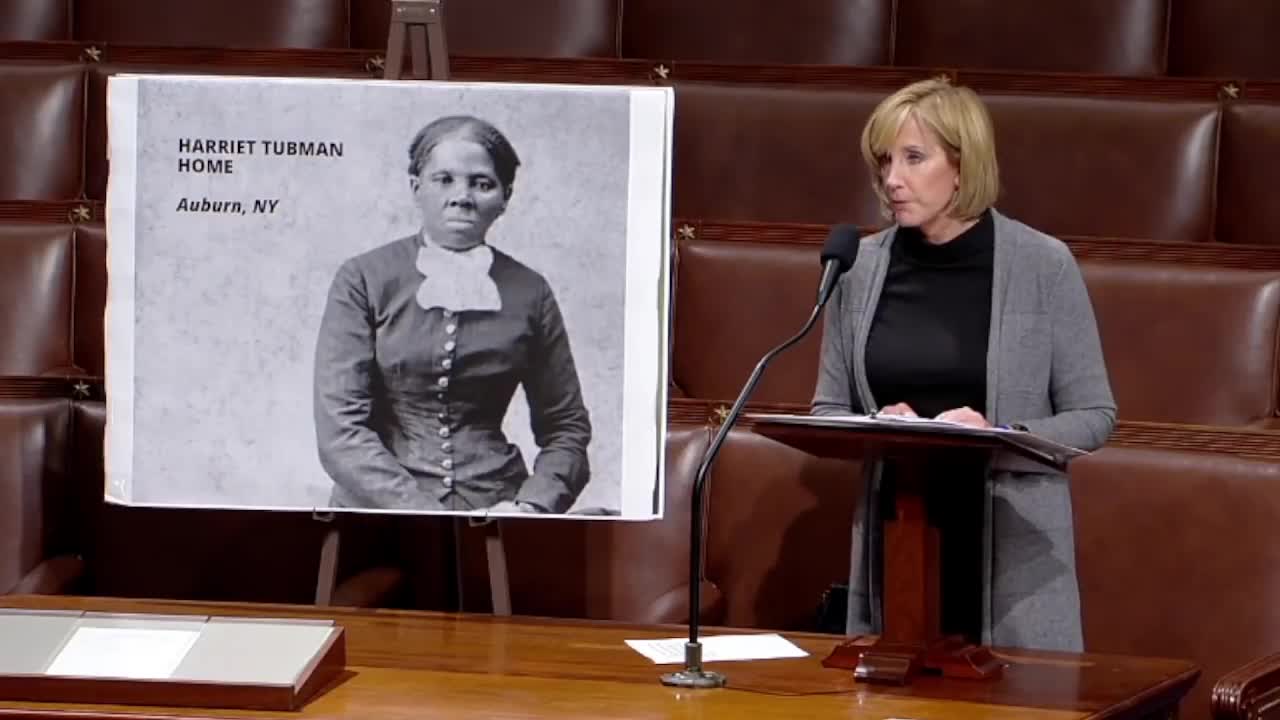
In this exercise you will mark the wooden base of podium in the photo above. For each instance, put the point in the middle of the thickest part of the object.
(884, 661)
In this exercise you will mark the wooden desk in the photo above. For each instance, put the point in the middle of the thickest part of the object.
(426, 665)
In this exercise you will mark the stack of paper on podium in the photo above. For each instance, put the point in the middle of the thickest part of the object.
(166, 660)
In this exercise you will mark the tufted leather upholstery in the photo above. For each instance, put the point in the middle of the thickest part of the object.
(90, 299)
(830, 32)
(1230, 39)
(734, 301)
(225, 23)
(1188, 344)
(1143, 169)
(35, 20)
(1248, 212)
(34, 514)
(778, 534)
(1115, 37)
(772, 154)
(41, 120)
(1192, 535)
(35, 298)
(547, 28)
(761, 153)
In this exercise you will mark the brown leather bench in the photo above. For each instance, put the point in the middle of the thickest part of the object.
(1223, 38)
(1114, 37)
(826, 32)
(37, 529)
(226, 23)
(1176, 552)
(778, 535)
(763, 153)
(1248, 213)
(34, 20)
(547, 28)
(90, 297)
(1185, 341)
(35, 298)
(41, 130)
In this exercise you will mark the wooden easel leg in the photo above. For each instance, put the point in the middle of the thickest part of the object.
(327, 575)
(439, 51)
(418, 49)
(499, 581)
(423, 21)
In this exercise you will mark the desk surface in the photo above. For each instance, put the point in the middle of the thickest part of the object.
(419, 665)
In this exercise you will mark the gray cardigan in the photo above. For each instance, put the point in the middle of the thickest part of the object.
(1045, 370)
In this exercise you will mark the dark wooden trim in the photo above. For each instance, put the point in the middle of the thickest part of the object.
(71, 387)
(1207, 254)
(556, 70)
(58, 211)
(48, 50)
(1251, 691)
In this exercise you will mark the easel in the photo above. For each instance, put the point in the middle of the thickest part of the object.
(423, 22)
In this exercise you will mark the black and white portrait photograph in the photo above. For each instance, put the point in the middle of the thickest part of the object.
(399, 297)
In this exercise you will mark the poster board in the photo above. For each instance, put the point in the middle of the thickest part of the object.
(377, 296)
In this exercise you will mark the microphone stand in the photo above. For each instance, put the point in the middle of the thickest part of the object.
(693, 675)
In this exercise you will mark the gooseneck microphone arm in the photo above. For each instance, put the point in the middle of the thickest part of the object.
(699, 483)
(693, 675)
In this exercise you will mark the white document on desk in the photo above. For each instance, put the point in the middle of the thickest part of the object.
(113, 652)
(720, 648)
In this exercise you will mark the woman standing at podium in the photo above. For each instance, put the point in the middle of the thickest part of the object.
(958, 312)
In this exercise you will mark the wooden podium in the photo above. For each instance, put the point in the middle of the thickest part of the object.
(912, 641)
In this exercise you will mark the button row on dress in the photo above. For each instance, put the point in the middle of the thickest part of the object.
(443, 383)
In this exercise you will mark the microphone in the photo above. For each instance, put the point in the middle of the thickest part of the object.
(838, 253)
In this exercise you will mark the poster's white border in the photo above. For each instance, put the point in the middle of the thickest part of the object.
(118, 320)
(648, 243)
(643, 431)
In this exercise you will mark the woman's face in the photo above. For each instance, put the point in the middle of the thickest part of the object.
(459, 194)
(918, 177)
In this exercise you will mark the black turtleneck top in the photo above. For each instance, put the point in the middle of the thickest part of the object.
(928, 341)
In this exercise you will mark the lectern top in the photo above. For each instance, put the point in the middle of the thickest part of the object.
(848, 435)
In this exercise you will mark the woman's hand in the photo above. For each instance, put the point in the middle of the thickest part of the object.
(965, 416)
(898, 409)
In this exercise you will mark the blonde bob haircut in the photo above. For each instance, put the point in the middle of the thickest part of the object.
(959, 120)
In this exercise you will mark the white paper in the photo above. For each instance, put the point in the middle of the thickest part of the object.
(123, 653)
(720, 648)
